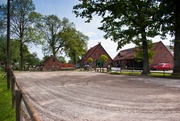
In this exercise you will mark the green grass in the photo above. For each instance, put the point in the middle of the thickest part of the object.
(154, 74)
(160, 74)
(126, 73)
(7, 113)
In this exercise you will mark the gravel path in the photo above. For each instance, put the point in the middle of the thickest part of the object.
(90, 96)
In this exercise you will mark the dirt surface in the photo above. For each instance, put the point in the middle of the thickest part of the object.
(90, 96)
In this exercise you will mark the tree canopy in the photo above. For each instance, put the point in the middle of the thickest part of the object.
(170, 24)
(62, 36)
(14, 51)
(23, 21)
(77, 45)
(103, 58)
(124, 21)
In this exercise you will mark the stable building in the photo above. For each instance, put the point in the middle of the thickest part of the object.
(51, 64)
(95, 53)
(127, 58)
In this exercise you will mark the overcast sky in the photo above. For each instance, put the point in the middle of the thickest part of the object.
(63, 8)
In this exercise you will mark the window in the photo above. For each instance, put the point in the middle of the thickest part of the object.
(94, 54)
(157, 55)
(165, 55)
(54, 60)
(161, 55)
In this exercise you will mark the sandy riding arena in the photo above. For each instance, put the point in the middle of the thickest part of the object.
(91, 96)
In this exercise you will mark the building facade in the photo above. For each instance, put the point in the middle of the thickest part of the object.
(95, 53)
(127, 58)
(51, 64)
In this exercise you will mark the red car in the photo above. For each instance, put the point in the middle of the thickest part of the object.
(162, 66)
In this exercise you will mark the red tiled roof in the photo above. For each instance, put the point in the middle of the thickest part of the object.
(129, 53)
(92, 50)
(125, 54)
(89, 52)
(50, 57)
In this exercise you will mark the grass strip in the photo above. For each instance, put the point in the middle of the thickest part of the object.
(7, 113)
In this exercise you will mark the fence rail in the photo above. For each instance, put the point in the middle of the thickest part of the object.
(18, 95)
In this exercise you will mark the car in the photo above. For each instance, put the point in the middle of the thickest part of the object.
(162, 66)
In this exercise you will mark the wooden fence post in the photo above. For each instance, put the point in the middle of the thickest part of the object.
(13, 91)
(18, 104)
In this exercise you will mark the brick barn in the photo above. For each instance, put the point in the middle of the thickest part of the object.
(51, 64)
(127, 58)
(95, 53)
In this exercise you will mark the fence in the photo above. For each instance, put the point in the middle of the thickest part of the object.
(18, 95)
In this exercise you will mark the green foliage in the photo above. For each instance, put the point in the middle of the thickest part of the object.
(103, 58)
(61, 36)
(77, 44)
(52, 27)
(32, 59)
(139, 52)
(29, 58)
(61, 59)
(23, 24)
(170, 24)
(168, 9)
(90, 60)
(14, 51)
(124, 21)
(7, 113)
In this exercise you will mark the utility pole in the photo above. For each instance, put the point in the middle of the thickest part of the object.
(8, 68)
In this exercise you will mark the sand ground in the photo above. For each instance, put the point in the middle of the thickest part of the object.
(91, 96)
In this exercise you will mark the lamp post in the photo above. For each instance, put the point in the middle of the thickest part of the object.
(8, 46)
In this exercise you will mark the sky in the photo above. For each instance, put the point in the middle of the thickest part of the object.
(63, 8)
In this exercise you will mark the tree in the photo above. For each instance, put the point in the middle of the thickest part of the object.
(124, 21)
(102, 59)
(90, 60)
(53, 29)
(32, 59)
(77, 44)
(14, 51)
(3, 15)
(23, 19)
(139, 52)
(61, 59)
(170, 24)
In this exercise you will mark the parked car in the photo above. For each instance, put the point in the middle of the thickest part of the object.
(162, 66)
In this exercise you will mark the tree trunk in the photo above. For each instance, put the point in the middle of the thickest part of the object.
(74, 58)
(21, 55)
(176, 69)
(145, 56)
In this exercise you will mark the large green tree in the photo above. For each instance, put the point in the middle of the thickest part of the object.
(77, 44)
(32, 59)
(14, 51)
(102, 59)
(170, 24)
(23, 21)
(53, 27)
(124, 21)
(62, 36)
